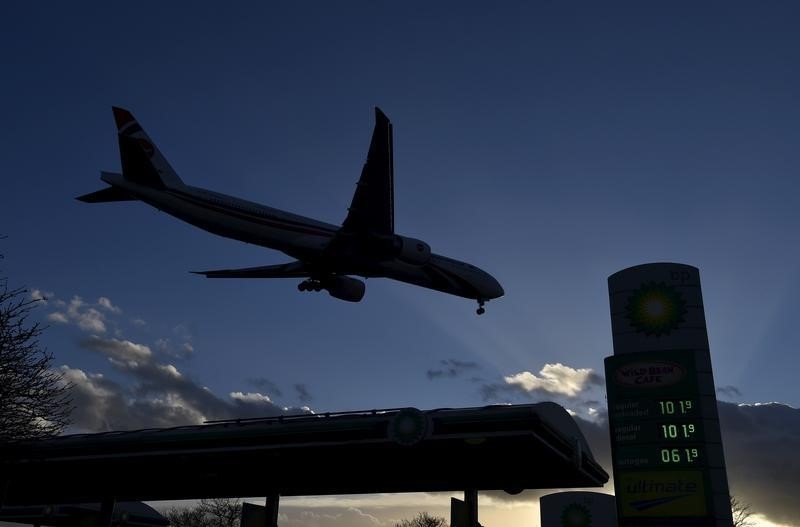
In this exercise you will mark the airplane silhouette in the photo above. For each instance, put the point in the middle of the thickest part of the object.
(325, 255)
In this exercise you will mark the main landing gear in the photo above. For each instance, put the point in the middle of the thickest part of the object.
(480, 309)
(310, 285)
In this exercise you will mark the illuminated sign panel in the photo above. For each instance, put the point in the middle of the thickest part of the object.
(657, 494)
(655, 423)
(665, 442)
(651, 432)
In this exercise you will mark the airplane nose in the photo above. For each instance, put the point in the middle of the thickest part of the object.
(495, 290)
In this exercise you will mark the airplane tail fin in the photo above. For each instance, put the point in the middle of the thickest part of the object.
(372, 207)
(142, 162)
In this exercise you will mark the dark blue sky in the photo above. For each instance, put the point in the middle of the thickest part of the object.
(552, 144)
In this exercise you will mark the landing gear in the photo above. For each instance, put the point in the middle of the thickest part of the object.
(480, 309)
(310, 285)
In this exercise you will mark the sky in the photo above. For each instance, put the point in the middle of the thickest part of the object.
(549, 143)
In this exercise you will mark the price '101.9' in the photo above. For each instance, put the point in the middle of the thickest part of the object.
(678, 431)
(682, 406)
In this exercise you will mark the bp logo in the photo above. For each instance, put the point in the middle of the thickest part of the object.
(408, 426)
(576, 515)
(656, 309)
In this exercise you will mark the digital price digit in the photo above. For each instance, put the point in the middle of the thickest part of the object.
(678, 431)
(680, 407)
(679, 455)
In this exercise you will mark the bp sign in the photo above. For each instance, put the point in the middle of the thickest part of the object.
(655, 309)
(666, 448)
(577, 509)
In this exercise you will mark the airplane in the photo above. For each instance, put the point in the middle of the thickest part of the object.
(325, 255)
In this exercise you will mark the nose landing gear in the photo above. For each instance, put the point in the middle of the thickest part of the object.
(480, 309)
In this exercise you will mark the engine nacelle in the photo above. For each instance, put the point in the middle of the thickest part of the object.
(411, 250)
(346, 288)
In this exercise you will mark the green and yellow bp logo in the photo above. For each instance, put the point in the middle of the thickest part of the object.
(576, 515)
(656, 309)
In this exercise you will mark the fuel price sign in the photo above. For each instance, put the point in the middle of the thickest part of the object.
(665, 442)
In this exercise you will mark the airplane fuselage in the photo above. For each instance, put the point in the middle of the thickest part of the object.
(305, 239)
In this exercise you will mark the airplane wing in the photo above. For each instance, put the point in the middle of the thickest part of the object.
(372, 208)
(294, 269)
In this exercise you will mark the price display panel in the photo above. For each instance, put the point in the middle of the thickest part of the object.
(652, 456)
(661, 425)
(657, 434)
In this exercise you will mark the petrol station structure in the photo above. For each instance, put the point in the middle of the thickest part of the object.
(504, 447)
(667, 457)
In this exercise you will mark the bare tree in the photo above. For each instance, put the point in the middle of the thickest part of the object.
(186, 517)
(34, 399)
(218, 512)
(741, 513)
(423, 519)
(224, 512)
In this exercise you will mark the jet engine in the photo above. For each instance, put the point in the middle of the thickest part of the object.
(412, 251)
(346, 288)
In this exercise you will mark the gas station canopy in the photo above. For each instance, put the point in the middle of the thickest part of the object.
(508, 448)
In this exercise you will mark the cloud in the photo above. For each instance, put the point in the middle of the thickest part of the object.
(555, 382)
(121, 350)
(302, 393)
(61, 318)
(86, 318)
(266, 385)
(152, 394)
(729, 391)
(91, 320)
(760, 442)
(41, 296)
(101, 317)
(165, 347)
(106, 304)
(102, 405)
(170, 370)
(451, 368)
(555, 379)
(349, 517)
(250, 397)
(183, 332)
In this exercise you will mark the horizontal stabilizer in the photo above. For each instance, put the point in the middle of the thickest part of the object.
(105, 195)
(288, 270)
